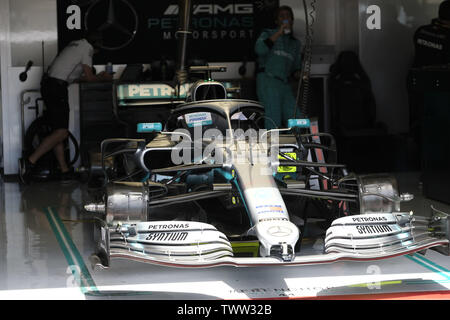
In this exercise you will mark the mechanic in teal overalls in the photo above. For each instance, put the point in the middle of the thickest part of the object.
(278, 58)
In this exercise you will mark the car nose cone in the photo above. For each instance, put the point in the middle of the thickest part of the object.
(279, 231)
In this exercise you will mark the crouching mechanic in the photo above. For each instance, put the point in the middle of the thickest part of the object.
(278, 58)
(73, 63)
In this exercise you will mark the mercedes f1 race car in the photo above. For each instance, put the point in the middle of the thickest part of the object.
(209, 187)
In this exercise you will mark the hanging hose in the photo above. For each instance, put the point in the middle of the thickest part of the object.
(304, 82)
(185, 7)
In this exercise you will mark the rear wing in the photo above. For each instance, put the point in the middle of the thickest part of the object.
(149, 94)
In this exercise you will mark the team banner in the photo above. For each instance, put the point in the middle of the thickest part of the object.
(136, 31)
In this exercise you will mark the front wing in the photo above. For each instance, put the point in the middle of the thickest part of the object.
(199, 245)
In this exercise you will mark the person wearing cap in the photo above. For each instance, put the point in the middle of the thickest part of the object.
(278, 57)
(432, 42)
(73, 63)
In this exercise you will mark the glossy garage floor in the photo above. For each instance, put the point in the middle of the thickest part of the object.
(46, 240)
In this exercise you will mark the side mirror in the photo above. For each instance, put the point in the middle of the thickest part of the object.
(299, 123)
(149, 127)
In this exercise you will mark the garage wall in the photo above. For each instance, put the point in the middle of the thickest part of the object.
(347, 17)
(24, 25)
(5, 58)
(31, 23)
(335, 22)
(1, 122)
(324, 20)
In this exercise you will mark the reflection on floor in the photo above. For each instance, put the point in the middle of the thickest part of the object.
(46, 239)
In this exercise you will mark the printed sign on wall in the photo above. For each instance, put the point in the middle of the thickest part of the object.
(136, 31)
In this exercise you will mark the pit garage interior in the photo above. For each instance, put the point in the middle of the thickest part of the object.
(47, 236)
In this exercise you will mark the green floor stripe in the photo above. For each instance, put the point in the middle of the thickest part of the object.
(60, 241)
(68, 247)
(430, 262)
(427, 266)
(81, 264)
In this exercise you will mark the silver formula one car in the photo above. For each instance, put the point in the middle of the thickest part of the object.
(209, 188)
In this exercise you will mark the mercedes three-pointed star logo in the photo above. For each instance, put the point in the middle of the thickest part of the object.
(118, 30)
(279, 231)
